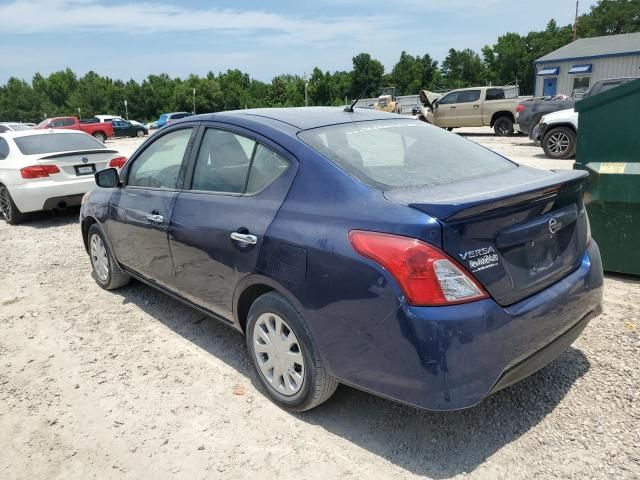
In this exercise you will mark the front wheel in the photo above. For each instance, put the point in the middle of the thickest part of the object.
(559, 143)
(106, 271)
(503, 127)
(139, 133)
(285, 357)
(8, 209)
(99, 136)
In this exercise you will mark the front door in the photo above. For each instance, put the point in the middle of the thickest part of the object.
(549, 88)
(141, 208)
(232, 193)
(469, 109)
(445, 112)
(122, 128)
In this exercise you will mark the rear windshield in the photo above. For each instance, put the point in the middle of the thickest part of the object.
(392, 154)
(57, 142)
(19, 127)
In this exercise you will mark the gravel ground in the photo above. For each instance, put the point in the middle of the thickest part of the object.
(132, 384)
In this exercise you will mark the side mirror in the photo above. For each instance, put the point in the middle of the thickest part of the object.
(107, 178)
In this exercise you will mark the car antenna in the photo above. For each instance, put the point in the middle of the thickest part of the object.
(350, 107)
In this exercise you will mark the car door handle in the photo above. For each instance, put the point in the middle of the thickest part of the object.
(244, 238)
(476, 106)
(152, 217)
(452, 108)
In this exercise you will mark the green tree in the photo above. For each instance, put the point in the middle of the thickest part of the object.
(366, 74)
(610, 17)
(463, 68)
(411, 74)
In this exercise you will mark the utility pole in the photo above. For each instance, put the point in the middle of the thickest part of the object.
(194, 101)
(575, 21)
(79, 114)
(126, 109)
(306, 89)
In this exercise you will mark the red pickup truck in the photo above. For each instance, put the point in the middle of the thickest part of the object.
(100, 130)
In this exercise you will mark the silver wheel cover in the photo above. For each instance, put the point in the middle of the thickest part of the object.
(99, 258)
(278, 354)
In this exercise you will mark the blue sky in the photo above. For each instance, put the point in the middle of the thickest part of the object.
(125, 39)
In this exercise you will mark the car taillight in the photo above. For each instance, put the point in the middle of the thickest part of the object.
(426, 275)
(118, 162)
(520, 108)
(38, 171)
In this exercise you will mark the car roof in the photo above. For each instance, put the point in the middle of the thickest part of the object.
(302, 118)
(30, 132)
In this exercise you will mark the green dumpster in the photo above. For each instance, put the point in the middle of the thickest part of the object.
(609, 149)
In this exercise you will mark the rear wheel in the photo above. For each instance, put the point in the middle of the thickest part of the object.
(284, 355)
(559, 143)
(503, 126)
(99, 136)
(8, 209)
(106, 271)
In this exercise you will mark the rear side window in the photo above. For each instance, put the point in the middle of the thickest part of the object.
(391, 154)
(4, 149)
(267, 166)
(158, 166)
(231, 163)
(4, 128)
(468, 96)
(48, 142)
(495, 94)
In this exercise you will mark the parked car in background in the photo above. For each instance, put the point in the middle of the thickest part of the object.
(121, 127)
(14, 126)
(99, 130)
(45, 170)
(557, 132)
(171, 117)
(465, 272)
(529, 112)
(151, 125)
(471, 107)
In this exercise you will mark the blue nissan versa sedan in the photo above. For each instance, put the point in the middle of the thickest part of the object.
(354, 247)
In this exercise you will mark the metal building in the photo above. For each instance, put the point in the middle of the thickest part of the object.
(576, 66)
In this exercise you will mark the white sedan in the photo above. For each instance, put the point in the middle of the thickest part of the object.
(48, 169)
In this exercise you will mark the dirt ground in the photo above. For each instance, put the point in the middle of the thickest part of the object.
(132, 384)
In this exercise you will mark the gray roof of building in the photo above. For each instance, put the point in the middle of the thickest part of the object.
(596, 47)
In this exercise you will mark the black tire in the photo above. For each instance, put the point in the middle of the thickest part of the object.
(450, 129)
(139, 133)
(503, 126)
(115, 277)
(559, 143)
(12, 215)
(317, 385)
(100, 136)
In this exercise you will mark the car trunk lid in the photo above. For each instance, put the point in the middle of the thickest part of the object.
(79, 164)
(516, 232)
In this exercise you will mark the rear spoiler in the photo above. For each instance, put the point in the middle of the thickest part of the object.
(77, 152)
(515, 187)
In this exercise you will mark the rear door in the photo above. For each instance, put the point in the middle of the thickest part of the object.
(235, 186)
(140, 210)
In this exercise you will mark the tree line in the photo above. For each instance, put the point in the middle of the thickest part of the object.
(509, 60)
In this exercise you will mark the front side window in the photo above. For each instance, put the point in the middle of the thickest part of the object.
(449, 99)
(57, 123)
(391, 154)
(158, 166)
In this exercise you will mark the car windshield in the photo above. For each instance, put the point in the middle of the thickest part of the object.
(44, 122)
(392, 154)
(163, 117)
(57, 142)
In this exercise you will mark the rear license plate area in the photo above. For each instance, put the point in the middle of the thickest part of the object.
(88, 169)
(543, 254)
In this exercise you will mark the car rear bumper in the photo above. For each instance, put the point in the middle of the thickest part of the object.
(448, 358)
(47, 194)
